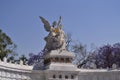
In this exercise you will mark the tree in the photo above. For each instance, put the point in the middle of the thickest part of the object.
(68, 41)
(116, 54)
(24, 59)
(104, 57)
(6, 45)
(107, 55)
(80, 51)
(11, 59)
(81, 54)
(37, 60)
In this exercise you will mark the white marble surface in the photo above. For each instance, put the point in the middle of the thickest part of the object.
(9, 71)
(16, 67)
(60, 53)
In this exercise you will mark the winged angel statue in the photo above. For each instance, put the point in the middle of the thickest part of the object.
(56, 37)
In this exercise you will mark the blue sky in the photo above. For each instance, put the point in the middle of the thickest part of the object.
(89, 21)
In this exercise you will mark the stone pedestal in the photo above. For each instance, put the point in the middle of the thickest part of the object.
(59, 60)
(58, 64)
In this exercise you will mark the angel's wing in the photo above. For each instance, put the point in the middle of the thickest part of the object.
(59, 22)
(46, 24)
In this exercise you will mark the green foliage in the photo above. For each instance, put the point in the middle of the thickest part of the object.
(24, 59)
(6, 45)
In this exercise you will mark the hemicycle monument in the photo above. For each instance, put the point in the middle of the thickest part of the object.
(57, 61)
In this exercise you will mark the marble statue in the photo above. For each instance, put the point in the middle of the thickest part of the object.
(56, 37)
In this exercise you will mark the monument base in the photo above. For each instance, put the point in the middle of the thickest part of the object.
(61, 67)
(59, 60)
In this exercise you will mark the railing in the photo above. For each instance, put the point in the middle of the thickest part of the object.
(13, 71)
(14, 66)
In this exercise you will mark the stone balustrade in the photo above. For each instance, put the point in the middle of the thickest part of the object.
(13, 66)
(13, 71)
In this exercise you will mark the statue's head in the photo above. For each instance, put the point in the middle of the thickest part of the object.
(55, 30)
